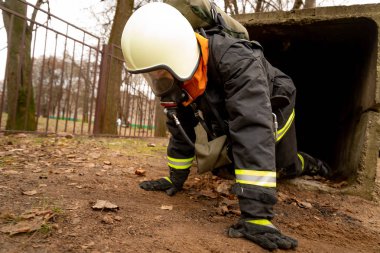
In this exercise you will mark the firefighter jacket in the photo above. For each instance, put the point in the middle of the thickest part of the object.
(241, 84)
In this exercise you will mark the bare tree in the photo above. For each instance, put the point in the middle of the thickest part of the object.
(297, 4)
(106, 119)
(310, 4)
(306, 4)
(21, 107)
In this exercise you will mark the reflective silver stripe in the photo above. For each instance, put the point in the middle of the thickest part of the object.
(180, 164)
(282, 131)
(256, 177)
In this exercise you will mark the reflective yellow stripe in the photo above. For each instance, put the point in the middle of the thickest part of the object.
(301, 159)
(256, 177)
(167, 178)
(282, 131)
(258, 173)
(262, 223)
(180, 164)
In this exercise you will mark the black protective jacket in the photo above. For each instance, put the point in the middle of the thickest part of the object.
(241, 84)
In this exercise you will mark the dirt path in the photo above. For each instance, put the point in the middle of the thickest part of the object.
(49, 185)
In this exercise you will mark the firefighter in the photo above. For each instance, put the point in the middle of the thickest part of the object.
(238, 92)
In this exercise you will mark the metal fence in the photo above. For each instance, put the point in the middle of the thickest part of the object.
(69, 76)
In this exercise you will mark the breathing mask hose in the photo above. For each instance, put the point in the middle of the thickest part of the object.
(171, 114)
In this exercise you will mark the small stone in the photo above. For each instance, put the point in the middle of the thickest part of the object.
(107, 219)
(118, 218)
(140, 172)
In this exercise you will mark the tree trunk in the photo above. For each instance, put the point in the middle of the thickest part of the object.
(297, 4)
(259, 6)
(310, 4)
(20, 97)
(226, 4)
(123, 12)
(236, 9)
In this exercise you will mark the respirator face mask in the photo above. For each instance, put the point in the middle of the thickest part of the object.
(166, 87)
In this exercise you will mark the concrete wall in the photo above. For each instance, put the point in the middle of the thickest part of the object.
(332, 54)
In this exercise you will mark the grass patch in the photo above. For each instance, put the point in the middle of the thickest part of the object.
(46, 228)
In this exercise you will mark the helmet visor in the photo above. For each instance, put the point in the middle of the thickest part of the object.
(161, 81)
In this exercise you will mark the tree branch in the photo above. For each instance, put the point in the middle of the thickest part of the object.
(6, 15)
(34, 14)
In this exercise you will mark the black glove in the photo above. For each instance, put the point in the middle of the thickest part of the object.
(162, 184)
(171, 185)
(263, 233)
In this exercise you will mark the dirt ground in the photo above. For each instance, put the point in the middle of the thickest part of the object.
(50, 187)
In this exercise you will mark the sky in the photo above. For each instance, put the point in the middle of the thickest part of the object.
(81, 16)
(81, 13)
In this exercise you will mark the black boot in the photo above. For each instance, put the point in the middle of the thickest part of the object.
(314, 167)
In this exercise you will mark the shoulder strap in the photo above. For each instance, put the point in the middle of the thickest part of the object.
(199, 117)
(240, 32)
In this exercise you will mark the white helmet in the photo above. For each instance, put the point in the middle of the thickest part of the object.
(158, 37)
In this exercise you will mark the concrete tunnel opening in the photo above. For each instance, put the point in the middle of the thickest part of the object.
(333, 65)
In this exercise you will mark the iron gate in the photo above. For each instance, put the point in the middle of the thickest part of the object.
(69, 78)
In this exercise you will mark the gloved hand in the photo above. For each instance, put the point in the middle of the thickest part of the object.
(162, 184)
(171, 185)
(263, 233)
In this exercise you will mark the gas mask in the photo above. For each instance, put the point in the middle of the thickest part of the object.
(166, 87)
(169, 90)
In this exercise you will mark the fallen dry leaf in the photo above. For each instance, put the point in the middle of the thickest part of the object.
(30, 193)
(104, 205)
(88, 245)
(340, 185)
(224, 188)
(304, 204)
(208, 193)
(282, 197)
(95, 155)
(223, 210)
(167, 207)
(11, 172)
(29, 221)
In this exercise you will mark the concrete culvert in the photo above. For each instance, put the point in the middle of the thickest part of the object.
(332, 54)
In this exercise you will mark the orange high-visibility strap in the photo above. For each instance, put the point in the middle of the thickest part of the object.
(197, 84)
